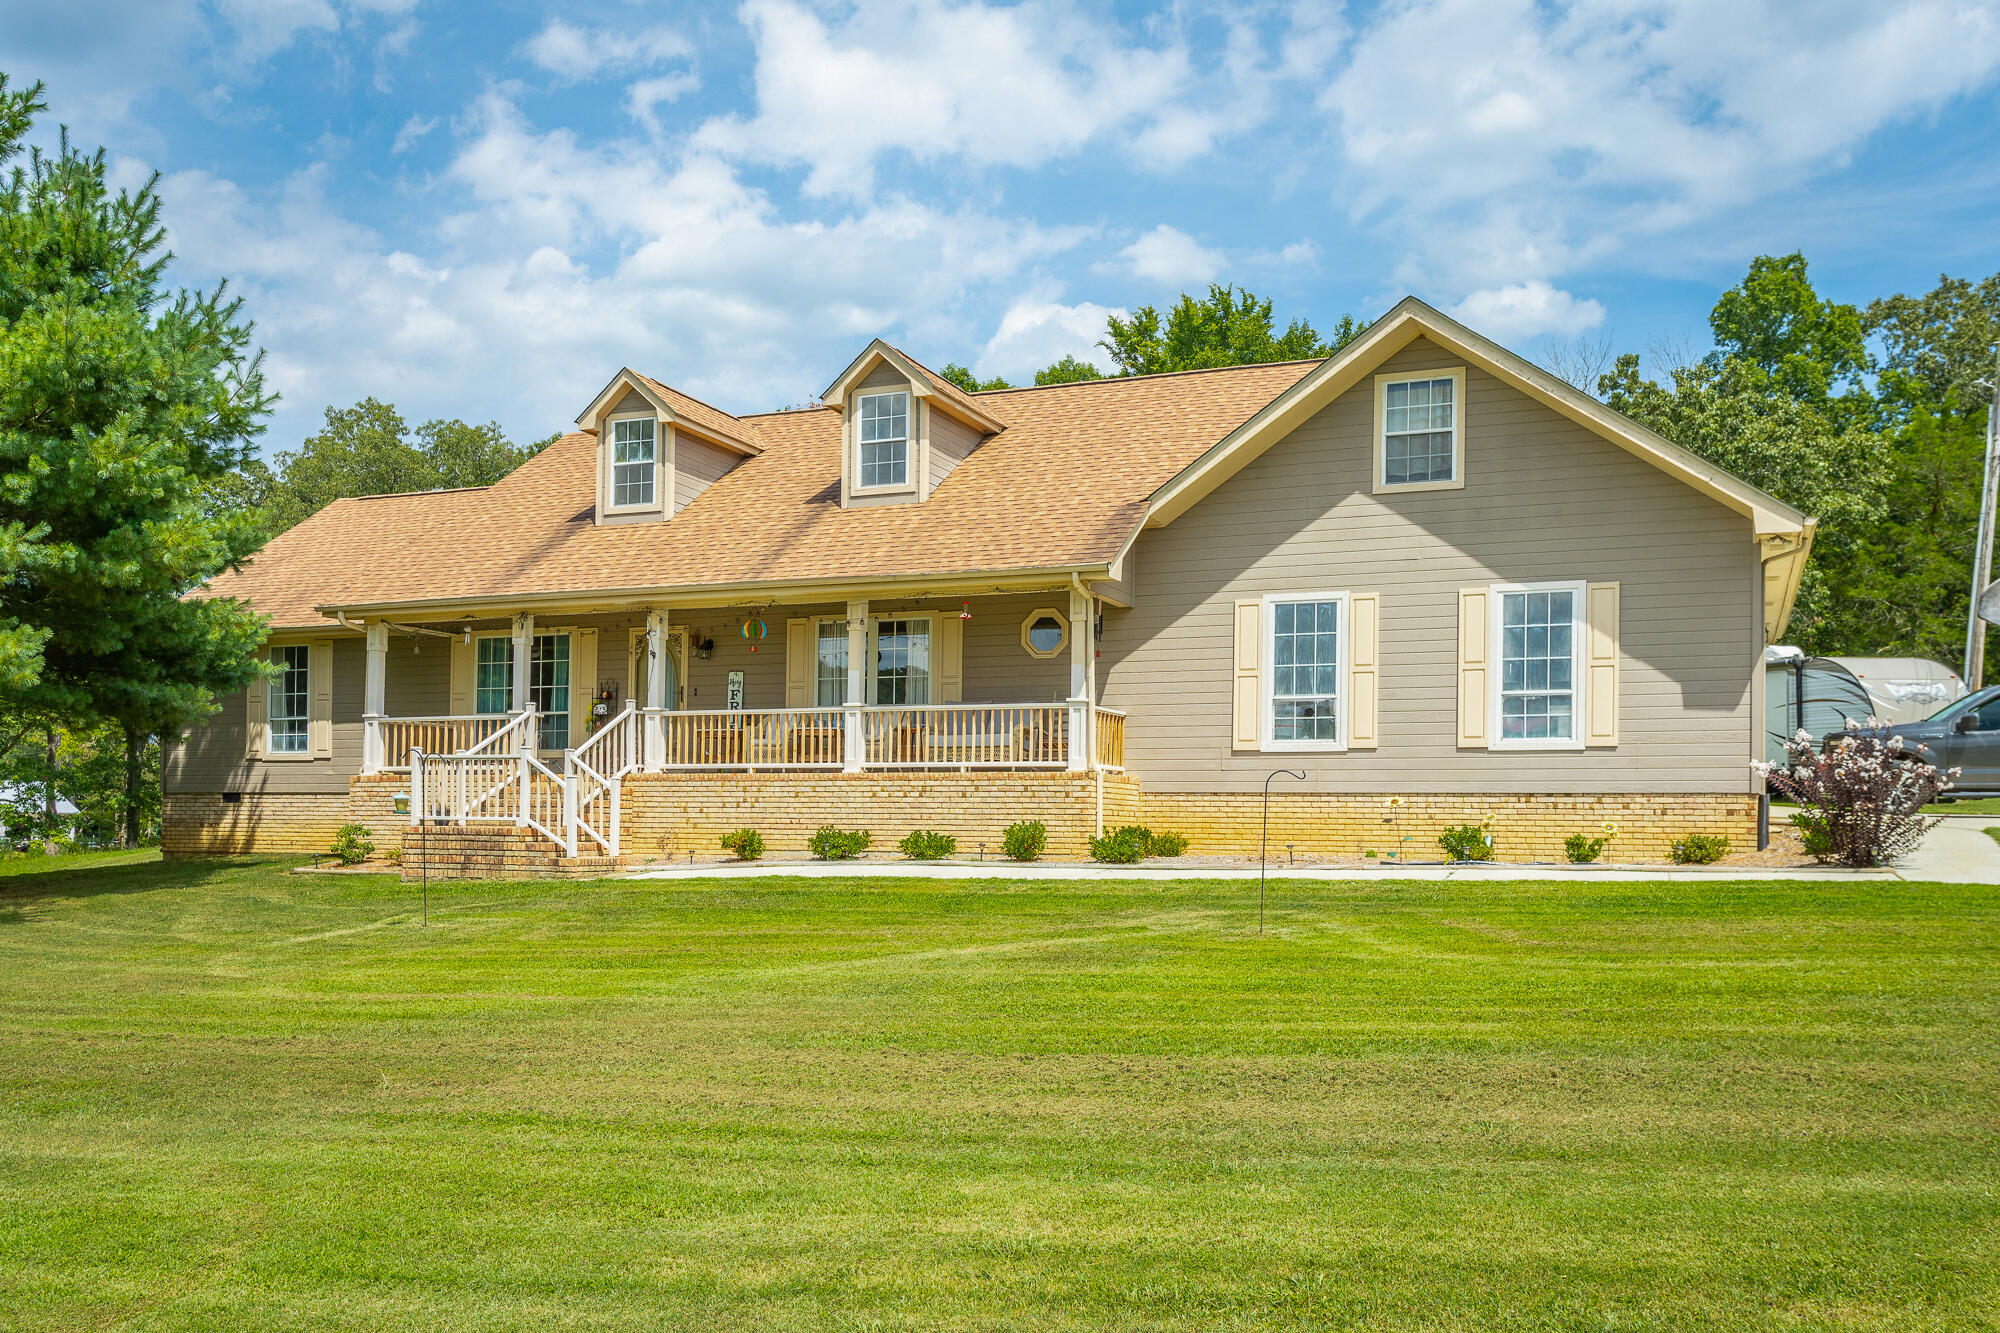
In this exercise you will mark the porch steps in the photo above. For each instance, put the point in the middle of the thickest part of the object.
(492, 851)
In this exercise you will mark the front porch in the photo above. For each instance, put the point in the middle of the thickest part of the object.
(549, 714)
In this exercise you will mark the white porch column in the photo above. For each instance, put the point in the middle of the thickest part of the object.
(1082, 680)
(654, 730)
(524, 647)
(852, 718)
(374, 696)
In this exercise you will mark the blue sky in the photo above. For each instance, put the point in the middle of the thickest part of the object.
(483, 210)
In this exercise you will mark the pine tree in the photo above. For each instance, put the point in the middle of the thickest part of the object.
(123, 404)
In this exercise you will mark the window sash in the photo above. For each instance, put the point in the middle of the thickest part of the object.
(1307, 638)
(493, 675)
(883, 431)
(830, 664)
(1419, 431)
(633, 462)
(903, 661)
(1540, 641)
(289, 702)
(548, 683)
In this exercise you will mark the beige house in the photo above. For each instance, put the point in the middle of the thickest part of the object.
(1420, 569)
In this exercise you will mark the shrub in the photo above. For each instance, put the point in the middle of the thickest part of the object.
(747, 843)
(1121, 847)
(352, 844)
(831, 844)
(924, 845)
(1582, 849)
(1698, 849)
(1138, 834)
(1467, 842)
(1025, 841)
(1814, 834)
(1167, 844)
(1863, 796)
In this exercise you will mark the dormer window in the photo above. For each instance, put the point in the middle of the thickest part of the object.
(885, 440)
(634, 464)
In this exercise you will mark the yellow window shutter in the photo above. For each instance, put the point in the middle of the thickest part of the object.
(1475, 729)
(1249, 689)
(1600, 664)
(461, 676)
(319, 665)
(950, 659)
(582, 683)
(256, 710)
(1364, 672)
(800, 648)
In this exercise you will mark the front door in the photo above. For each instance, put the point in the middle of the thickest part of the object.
(676, 668)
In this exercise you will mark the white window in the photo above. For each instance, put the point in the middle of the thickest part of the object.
(493, 676)
(903, 661)
(633, 465)
(830, 664)
(1306, 693)
(884, 437)
(1418, 430)
(290, 700)
(1539, 640)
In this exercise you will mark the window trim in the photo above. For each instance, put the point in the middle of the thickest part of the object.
(1456, 374)
(874, 651)
(1267, 685)
(271, 754)
(610, 465)
(908, 484)
(1578, 694)
(1028, 623)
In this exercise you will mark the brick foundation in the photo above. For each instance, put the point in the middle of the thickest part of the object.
(1525, 827)
(670, 814)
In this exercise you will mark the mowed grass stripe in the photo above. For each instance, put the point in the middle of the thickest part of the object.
(232, 1097)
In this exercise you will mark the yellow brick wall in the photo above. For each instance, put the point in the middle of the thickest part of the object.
(1525, 828)
(202, 824)
(670, 814)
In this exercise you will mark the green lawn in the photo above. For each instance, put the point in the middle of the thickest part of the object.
(236, 1099)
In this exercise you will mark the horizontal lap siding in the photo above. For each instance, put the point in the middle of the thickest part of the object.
(697, 466)
(951, 442)
(1544, 499)
(214, 757)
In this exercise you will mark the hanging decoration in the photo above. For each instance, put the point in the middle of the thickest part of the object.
(965, 611)
(754, 631)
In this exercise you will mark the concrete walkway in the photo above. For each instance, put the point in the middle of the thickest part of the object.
(1957, 851)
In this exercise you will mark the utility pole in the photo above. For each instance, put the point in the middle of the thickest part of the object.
(1982, 557)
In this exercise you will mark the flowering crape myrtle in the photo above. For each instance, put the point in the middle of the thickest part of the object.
(1862, 797)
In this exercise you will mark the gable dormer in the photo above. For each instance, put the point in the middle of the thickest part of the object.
(657, 448)
(903, 428)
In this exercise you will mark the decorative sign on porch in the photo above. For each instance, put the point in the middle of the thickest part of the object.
(736, 691)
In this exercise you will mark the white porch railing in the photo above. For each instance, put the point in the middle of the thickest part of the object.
(392, 738)
(498, 778)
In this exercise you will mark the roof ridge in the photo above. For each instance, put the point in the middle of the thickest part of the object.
(400, 495)
(1152, 375)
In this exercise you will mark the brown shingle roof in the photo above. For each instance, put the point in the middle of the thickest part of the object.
(1064, 485)
(702, 416)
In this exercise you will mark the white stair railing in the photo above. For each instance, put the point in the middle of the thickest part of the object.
(593, 776)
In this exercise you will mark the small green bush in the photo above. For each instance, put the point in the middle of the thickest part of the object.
(831, 844)
(1138, 833)
(1121, 847)
(1698, 849)
(924, 845)
(1582, 849)
(1467, 842)
(1025, 841)
(1168, 844)
(1815, 834)
(747, 843)
(352, 844)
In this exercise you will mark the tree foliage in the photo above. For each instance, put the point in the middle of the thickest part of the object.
(367, 449)
(122, 404)
(1228, 327)
(971, 383)
(1069, 370)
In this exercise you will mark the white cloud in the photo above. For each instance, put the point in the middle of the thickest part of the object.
(1037, 330)
(1527, 309)
(1503, 141)
(414, 129)
(647, 94)
(1172, 258)
(576, 54)
(981, 85)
